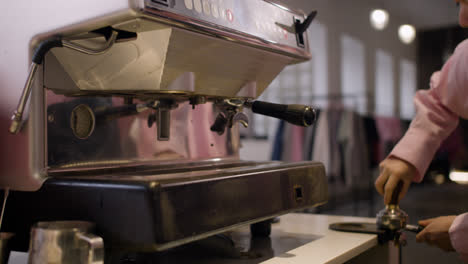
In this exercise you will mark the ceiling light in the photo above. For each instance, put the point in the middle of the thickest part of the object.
(379, 19)
(459, 176)
(407, 33)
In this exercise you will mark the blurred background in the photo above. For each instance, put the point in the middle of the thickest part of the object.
(369, 57)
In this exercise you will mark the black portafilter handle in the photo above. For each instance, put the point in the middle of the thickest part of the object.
(300, 115)
(396, 193)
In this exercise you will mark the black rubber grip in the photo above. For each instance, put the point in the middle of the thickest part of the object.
(296, 114)
(44, 47)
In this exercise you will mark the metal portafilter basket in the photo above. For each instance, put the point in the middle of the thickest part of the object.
(392, 218)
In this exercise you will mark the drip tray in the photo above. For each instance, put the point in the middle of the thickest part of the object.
(158, 208)
(234, 247)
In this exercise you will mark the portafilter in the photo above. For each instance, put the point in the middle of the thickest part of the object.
(394, 219)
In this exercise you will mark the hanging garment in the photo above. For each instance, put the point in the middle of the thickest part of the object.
(321, 148)
(326, 147)
(389, 133)
(296, 143)
(309, 138)
(278, 142)
(287, 150)
(352, 139)
(334, 117)
(372, 138)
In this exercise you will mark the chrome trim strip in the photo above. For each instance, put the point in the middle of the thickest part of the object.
(17, 117)
(109, 164)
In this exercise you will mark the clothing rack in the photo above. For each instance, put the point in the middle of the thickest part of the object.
(325, 96)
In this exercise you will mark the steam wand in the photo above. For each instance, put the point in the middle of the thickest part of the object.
(44, 47)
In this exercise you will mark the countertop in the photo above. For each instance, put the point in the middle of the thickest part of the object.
(332, 246)
(307, 234)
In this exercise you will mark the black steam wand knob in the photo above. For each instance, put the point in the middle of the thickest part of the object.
(302, 27)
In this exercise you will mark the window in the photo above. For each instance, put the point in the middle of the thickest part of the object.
(407, 88)
(353, 75)
(384, 84)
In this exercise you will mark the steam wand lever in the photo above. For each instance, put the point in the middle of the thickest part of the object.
(302, 27)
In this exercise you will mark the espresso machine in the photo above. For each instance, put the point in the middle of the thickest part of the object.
(126, 114)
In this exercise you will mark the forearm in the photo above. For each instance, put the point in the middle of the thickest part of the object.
(432, 124)
(459, 235)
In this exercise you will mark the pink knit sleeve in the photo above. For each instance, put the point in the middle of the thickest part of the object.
(437, 112)
(459, 235)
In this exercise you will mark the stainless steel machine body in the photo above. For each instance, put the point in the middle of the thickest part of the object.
(226, 48)
(132, 118)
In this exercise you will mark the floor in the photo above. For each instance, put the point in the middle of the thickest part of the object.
(422, 201)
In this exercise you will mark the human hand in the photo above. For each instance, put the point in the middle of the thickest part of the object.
(436, 232)
(392, 171)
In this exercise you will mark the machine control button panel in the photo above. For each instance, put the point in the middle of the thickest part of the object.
(264, 20)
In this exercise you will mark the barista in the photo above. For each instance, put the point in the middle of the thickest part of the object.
(438, 110)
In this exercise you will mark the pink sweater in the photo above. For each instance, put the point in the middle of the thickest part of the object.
(437, 113)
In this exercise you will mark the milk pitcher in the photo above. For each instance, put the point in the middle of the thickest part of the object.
(65, 242)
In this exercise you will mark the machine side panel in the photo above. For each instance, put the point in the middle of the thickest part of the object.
(23, 22)
(108, 206)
